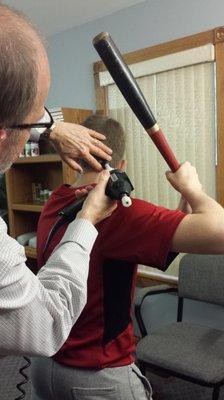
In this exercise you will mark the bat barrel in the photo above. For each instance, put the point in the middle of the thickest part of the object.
(128, 86)
(123, 78)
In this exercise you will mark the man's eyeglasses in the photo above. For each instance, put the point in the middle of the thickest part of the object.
(40, 126)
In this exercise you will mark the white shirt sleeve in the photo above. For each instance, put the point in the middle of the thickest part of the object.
(38, 312)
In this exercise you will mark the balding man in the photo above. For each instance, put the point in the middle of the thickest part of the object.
(37, 313)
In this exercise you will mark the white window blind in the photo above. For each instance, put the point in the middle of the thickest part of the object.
(57, 114)
(183, 100)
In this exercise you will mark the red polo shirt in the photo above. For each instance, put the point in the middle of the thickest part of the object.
(141, 234)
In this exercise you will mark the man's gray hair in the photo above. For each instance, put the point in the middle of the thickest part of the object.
(18, 68)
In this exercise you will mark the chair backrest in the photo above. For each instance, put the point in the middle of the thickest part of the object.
(201, 277)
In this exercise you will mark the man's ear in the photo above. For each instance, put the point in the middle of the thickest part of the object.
(122, 165)
(3, 135)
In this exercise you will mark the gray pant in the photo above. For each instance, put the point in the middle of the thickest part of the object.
(53, 381)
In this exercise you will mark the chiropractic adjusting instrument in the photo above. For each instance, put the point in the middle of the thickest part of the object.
(118, 187)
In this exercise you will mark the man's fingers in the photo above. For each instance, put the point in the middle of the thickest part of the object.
(95, 143)
(85, 144)
(99, 152)
(81, 192)
(92, 162)
(72, 163)
(96, 140)
(103, 179)
(96, 135)
(88, 158)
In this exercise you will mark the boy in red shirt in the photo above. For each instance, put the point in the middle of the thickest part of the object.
(97, 360)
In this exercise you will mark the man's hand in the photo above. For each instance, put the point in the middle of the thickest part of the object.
(98, 206)
(74, 141)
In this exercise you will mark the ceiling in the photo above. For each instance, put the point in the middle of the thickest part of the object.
(54, 16)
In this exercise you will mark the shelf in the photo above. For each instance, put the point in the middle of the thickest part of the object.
(44, 158)
(27, 207)
(31, 252)
(47, 169)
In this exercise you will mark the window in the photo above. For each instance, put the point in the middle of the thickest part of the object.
(181, 91)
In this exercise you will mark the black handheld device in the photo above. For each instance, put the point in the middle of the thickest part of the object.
(119, 187)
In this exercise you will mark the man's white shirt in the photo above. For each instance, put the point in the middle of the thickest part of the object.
(38, 312)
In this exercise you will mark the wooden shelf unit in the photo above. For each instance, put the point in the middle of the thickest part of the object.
(27, 207)
(49, 170)
(43, 158)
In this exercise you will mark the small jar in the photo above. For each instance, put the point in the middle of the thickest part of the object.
(27, 149)
(46, 195)
(34, 149)
(42, 194)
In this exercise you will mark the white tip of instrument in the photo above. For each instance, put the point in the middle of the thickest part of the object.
(108, 167)
(126, 201)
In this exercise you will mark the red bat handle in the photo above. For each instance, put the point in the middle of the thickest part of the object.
(163, 146)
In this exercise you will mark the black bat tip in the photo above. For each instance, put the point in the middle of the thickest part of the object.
(100, 36)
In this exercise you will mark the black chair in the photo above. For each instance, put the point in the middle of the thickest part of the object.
(182, 349)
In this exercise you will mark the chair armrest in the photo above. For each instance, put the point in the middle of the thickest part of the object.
(142, 293)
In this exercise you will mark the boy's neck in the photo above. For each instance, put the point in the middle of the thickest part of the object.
(86, 178)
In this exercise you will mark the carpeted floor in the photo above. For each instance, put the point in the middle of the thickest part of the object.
(176, 389)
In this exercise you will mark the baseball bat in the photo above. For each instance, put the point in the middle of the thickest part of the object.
(128, 86)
